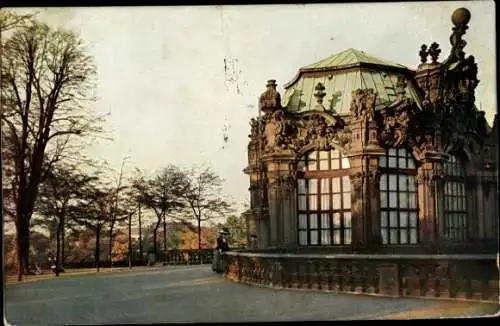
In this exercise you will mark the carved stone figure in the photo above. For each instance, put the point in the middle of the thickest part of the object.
(363, 104)
(270, 100)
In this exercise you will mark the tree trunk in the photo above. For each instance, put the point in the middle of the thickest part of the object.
(155, 247)
(63, 243)
(130, 241)
(97, 247)
(199, 240)
(110, 256)
(58, 249)
(22, 246)
(164, 234)
(140, 235)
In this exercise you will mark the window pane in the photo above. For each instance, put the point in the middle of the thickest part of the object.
(403, 200)
(383, 199)
(346, 184)
(302, 203)
(403, 219)
(413, 236)
(347, 219)
(383, 162)
(311, 165)
(323, 165)
(393, 182)
(335, 153)
(347, 236)
(412, 201)
(411, 183)
(312, 186)
(402, 162)
(313, 202)
(413, 219)
(403, 236)
(303, 238)
(335, 185)
(313, 221)
(403, 180)
(312, 155)
(383, 219)
(336, 220)
(325, 202)
(393, 219)
(335, 164)
(325, 237)
(347, 200)
(302, 221)
(383, 182)
(325, 221)
(301, 185)
(345, 163)
(383, 233)
(336, 201)
(336, 236)
(394, 236)
(402, 152)
(393, 199)
(314, 237)
(325, 186)
(323, 155)
(392, 152)
(411, 163)
(393, 163)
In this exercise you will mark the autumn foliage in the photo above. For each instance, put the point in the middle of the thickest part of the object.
(189, 239)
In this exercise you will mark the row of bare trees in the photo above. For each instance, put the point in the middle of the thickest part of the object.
(47, 85)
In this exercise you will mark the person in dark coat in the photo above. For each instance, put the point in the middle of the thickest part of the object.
(222, 246)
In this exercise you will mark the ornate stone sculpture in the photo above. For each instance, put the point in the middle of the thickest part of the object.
(363, 104)
(270, 100)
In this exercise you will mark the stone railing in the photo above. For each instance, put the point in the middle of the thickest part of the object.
(473, 277)
(186, 256)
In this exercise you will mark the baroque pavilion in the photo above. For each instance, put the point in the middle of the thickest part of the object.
(365, 155)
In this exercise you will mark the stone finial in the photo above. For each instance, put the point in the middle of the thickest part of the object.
(423, 53)
(460, 17)
(319, 94)
(434, 52)
(270, 100)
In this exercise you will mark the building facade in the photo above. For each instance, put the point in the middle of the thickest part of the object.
(365, 155)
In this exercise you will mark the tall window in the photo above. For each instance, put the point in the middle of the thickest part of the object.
(455, 207)
(398, 198)
(324, 199)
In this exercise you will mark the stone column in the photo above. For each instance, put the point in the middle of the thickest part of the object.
(428, 195)
(364, 154)
(281, 199)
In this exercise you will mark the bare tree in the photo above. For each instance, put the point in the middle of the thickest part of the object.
(203, 195)
(61, 186)
(162, 194)
(115, 206)
(46, 80)
(10, 20)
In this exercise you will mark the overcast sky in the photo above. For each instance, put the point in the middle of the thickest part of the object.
(162, 76)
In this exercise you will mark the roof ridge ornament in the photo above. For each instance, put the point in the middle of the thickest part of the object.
(319, 94)
(460, 18)
(270, 100)
(423, 53)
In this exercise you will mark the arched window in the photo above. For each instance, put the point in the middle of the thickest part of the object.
(398, 198)
(455, 201)
(324, 199)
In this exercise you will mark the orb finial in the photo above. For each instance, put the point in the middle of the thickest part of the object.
(460, 17)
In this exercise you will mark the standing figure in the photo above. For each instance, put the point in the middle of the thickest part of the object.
(222, 246)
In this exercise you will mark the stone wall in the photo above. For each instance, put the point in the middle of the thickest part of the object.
(473, 277)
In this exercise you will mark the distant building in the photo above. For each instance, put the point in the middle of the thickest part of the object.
(366, 154)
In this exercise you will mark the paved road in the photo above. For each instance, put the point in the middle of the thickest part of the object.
(195, 294)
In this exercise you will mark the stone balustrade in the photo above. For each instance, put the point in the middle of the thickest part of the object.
(473, 277)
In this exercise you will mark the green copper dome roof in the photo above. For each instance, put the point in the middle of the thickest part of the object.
(351, 57)
(343, 73)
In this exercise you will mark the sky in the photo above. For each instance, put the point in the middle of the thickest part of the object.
(175, 80)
